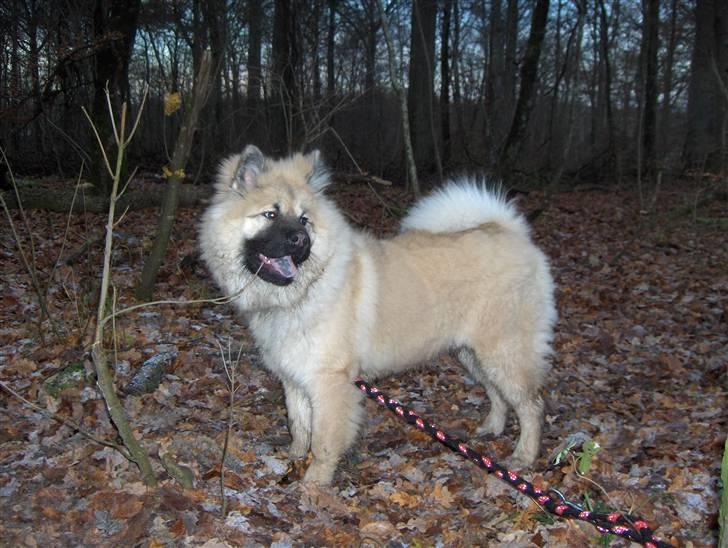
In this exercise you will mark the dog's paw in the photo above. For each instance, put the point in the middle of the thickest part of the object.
(319, 473)
(297, 451)
(490, 427)
(518, 462)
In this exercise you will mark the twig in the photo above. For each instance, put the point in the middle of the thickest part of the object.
(218, 300)
(29, 263)
(232, 389)
(67, 229)
(589, 480)
(104, 378)
(107, 164)
(387, 207)
(68, 422)
(79, 149)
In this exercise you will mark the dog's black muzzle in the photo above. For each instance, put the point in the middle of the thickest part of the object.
(276, 253)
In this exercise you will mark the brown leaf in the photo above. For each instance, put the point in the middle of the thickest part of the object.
(673, 363)
(314, 496)
(21, 365)
(178, 528)
(51, 513)
(175, 500)
(378, 529)
(137, 528)
(442, 495)
(405, 499)
(126, 506)
(234, 481)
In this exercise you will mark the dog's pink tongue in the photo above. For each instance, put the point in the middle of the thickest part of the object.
(281, 265)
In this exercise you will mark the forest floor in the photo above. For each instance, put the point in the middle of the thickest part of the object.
(641, 352)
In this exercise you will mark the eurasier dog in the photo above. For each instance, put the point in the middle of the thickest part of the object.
(326, 302)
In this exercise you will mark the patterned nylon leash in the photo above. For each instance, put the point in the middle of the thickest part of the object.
(623, 525)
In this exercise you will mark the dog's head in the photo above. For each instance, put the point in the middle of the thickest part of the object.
(269, 220)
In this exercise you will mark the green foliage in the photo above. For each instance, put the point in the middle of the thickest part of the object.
(70, 376)
(544, 518)
(563, 454)
(595, 506)
(182, 474)
(599, 506)
(584, 457)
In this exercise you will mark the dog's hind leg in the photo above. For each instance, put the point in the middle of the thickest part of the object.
(299, 420)
(337, 414)
(517, 373)
(495, 422)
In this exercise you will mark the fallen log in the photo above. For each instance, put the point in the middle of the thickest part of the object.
(60, 200)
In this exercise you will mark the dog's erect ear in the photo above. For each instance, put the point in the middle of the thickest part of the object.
(252, 163)
(319, 178)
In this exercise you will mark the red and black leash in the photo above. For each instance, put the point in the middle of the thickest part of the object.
(623, 525)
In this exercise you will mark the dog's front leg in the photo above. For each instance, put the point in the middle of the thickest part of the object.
(337, 414)
(299, 420)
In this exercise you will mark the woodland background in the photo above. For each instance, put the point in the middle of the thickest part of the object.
(551, 91)
(608, 116)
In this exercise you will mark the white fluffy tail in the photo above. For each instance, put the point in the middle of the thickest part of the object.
(463, 204)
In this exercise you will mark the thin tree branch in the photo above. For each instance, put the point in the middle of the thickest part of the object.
(68, 422)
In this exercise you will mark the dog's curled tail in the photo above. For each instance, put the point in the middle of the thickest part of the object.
(463, 204)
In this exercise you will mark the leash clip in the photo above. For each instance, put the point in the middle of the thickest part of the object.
(561, 499)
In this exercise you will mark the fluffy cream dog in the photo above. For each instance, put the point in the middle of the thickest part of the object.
(327, 303)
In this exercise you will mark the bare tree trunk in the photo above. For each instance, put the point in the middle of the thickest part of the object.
(182, 148)
(496, 119)
(706, 110)
(529, 74)
(235, 97)
(606, 78)
(460, 143)
(286, 134)
(560, 68)
(510, 64)
(115, 24)
(31, 9)
(370, 50)
(665, 126)
(572, 60)
(315, 61)
(445, 81)
(216, 26)
(255, 23)
(16, 63)
(330, 50)
(414, 184)
(421, 79)
(649, 125)
(593, 88)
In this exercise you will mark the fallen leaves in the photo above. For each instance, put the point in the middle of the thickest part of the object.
(381, 530)
(405, 499)
(640, 367)
(441, 495)
(316, 499)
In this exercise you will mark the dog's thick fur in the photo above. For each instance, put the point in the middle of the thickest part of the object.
(333, 303)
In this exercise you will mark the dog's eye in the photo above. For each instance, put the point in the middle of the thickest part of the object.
(271, 215)
(303, 220)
